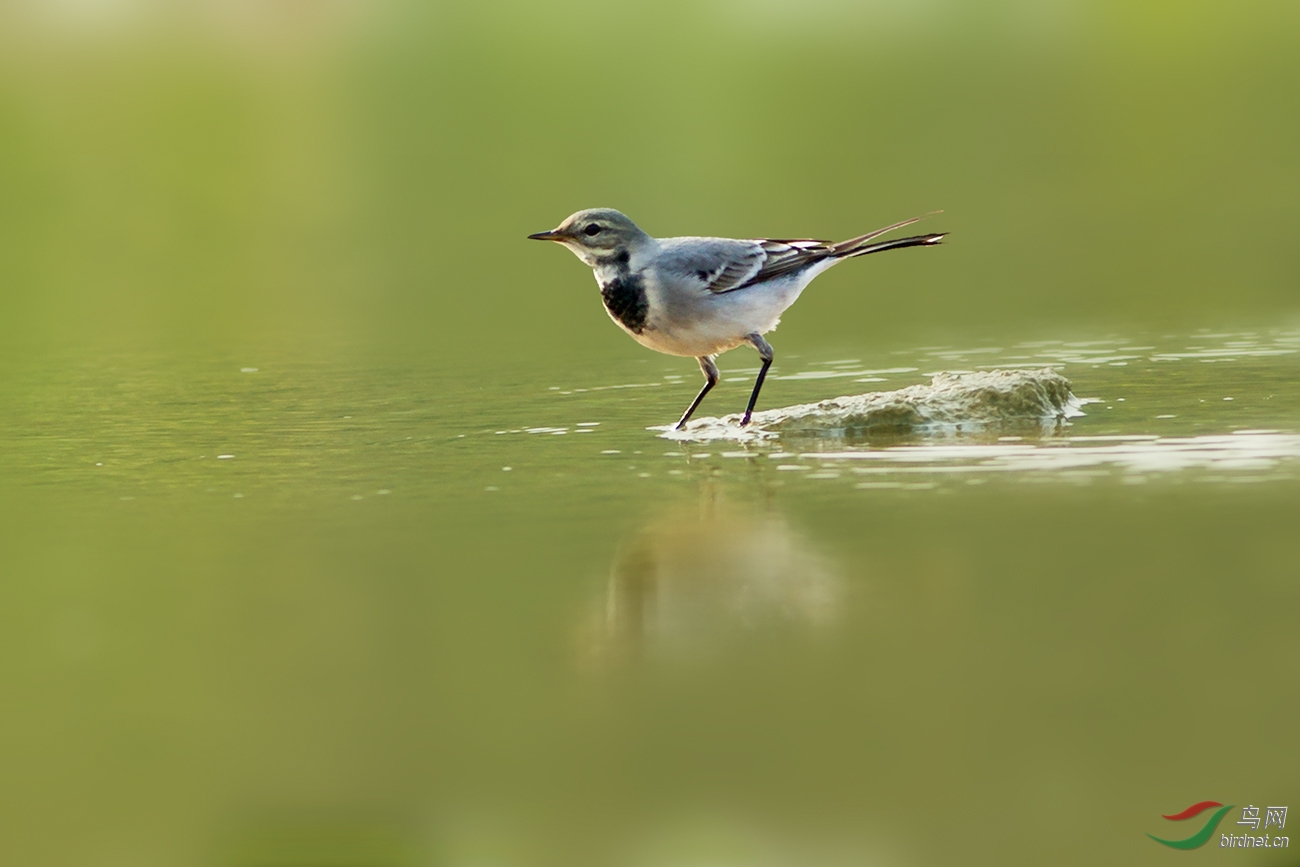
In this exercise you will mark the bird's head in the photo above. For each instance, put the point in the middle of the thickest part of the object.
(596, 234)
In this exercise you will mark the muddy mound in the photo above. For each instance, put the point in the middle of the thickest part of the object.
(951, 402)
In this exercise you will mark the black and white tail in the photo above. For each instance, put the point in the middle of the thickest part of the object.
(859, 246)
(914, 241)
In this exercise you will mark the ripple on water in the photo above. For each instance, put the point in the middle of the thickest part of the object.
(1171, 384)
(1271, 451)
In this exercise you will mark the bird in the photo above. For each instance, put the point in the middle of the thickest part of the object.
(699, 297)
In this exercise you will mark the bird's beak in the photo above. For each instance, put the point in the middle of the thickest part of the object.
(553, 235)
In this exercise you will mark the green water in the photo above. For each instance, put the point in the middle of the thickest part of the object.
(387, 615)
(333, 533)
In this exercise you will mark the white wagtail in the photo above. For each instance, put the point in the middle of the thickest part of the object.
(703, 296)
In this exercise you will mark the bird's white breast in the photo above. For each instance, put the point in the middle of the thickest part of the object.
(687, 319)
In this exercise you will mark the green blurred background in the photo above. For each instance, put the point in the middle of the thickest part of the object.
(236, 172)
(352, 643)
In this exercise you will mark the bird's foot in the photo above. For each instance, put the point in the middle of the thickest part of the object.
(745, 421)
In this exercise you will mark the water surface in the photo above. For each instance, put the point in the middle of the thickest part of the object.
(274, 605)
(334, 532)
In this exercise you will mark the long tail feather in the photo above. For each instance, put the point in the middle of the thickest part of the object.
(914, 241)
(843, 247)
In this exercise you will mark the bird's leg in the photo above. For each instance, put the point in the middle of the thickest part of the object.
(764, 352)
(710, 379)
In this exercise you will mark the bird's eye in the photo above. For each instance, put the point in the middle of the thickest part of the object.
(592, 229)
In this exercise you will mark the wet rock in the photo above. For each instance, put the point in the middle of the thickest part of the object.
(951, 402)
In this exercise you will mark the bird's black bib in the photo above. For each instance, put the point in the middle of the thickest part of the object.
(624, 297)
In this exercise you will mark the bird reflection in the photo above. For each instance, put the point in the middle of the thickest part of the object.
(685, 587)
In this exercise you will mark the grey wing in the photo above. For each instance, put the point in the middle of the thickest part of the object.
(784, 257)
(724, 265)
